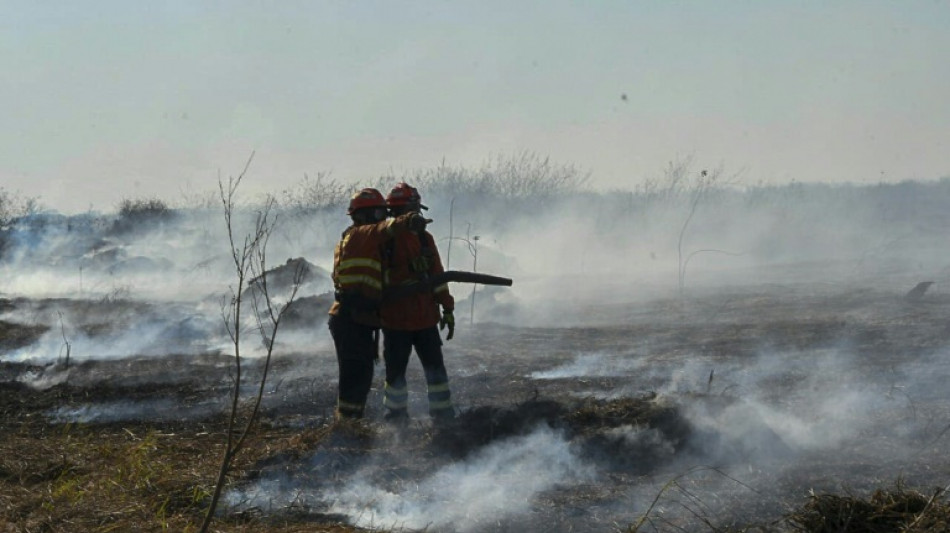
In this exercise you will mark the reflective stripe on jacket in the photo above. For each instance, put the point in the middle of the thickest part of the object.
(358, 270)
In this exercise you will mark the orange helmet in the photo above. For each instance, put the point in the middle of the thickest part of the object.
(404, 194)
(366, 198)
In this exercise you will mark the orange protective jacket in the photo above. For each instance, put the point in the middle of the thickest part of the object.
(358, 269)
(409, 258)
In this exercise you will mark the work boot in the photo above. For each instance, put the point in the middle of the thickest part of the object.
(345, 414)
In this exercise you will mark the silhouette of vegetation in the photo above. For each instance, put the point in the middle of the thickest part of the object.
(141, 213)
(523, 176)
(14, 206)
(314, 194)
(143, 208)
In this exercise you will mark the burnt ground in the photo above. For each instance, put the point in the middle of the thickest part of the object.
(726, 410)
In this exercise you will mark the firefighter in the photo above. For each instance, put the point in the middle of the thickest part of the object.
(414, 321)
(358, 279)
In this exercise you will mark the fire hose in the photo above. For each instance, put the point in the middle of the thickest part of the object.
(433, 281)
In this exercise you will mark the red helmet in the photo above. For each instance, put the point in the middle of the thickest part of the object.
(404, 194)
(366, 198)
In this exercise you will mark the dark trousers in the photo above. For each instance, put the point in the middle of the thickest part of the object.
(397, 348)
(355, 354)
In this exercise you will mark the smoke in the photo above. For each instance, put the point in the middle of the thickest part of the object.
(114, 330)
(45, 379)
(581, 252)
(178, 257)
(570, 255)
(773, 410)
(498, 483)
(155, 410)
(828, 399)
(596, 364)
(780, 404)
(646, 261)
(643, 438)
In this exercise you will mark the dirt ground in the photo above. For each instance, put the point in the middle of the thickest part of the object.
(728, 409)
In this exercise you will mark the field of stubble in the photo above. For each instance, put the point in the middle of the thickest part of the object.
(775, 408)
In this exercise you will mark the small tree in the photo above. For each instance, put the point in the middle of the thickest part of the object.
(698, 190)
(67, 347)
(702, 186)
(249, 261)
(472, 243)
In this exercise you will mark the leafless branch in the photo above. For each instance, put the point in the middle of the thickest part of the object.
(248, 257)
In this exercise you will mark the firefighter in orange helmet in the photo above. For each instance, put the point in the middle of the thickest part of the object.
(358, 282)
(411, 321)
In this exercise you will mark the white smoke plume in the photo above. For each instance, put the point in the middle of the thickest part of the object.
(157, 410)
(136, 333)
(595, 364)
(499, 482)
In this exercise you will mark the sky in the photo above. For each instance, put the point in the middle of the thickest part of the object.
(107, 100)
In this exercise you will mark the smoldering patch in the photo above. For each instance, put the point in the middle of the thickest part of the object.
(495, 483)
(493, 465)
(597, 364)
(499, 481)
(80, 330)
(160, 411)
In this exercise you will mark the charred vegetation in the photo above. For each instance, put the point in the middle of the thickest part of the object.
(783, 389)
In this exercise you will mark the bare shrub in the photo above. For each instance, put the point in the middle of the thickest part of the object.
(521, 176)
(13, 206)
(190, 199)
(679, 183)
(139, 208)
(138, 213)
(314, 194)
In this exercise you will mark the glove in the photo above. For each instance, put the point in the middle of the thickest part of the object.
(448, 319)
(418, 222)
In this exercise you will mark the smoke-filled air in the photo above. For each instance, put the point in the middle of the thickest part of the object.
(694, 353)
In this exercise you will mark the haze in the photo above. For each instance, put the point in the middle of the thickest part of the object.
(107, 100)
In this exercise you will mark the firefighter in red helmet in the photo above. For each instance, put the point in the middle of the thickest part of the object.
(413, 321)
(358, 283)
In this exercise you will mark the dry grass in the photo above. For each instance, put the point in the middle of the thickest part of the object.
(157, 477)
(131, 478)
(151, 474)
(886, 511)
